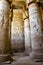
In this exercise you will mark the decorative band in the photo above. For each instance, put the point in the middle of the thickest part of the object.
(26, 18)
(31, 3)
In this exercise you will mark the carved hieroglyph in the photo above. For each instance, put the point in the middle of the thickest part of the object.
(4, 30)
(17, 30)
(36, 31)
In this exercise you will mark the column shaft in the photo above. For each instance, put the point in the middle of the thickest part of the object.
(36, 31)
(4, 31)
(27, 35)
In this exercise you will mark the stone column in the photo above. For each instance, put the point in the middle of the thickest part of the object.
(36, 31)
(27, 34)
(17, 31)
(5, 45)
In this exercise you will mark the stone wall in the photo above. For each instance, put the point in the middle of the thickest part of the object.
(17, 29)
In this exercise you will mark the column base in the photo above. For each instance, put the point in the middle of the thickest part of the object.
(5, 57)
(37, 56)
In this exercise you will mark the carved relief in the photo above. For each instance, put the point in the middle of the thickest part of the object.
(4, 27)
(36, 31)
(17, 29)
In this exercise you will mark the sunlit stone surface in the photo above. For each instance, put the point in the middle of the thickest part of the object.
(17, 30)
(27, 35)
(21, 34)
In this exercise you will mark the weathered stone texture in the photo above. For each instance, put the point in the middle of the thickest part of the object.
(27, 36)
(4, 30)
(36, 31)
(17, 30)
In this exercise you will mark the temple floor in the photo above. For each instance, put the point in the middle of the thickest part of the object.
(22, 59)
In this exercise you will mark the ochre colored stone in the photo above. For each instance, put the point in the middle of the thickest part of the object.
(5, 45)
(17, 30)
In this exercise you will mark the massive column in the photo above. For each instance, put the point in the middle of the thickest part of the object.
(5, 45)
(27, 34)
(36, 31)
(17, 31)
